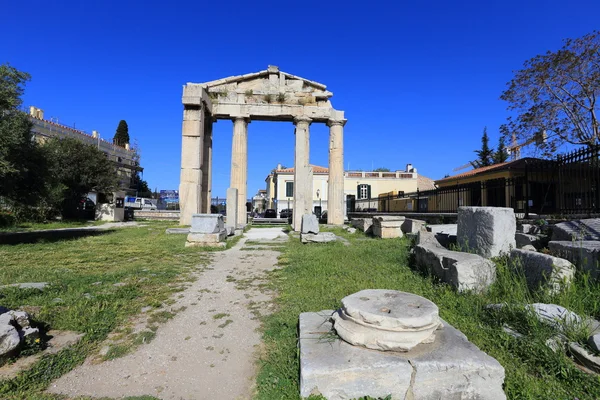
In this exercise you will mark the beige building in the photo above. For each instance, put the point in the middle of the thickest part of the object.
(359, 186)
(125, 158)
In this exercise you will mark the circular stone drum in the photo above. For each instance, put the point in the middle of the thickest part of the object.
(386, 320)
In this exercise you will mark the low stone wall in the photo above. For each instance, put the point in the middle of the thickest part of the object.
(156, 214)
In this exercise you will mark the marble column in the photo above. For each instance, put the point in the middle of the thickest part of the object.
(190, 183)
(302, 172)
(335, 193)
(239, 166)
(207, 165)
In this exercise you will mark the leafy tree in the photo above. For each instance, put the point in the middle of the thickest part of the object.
(380, 169)
(140, 186)
(122, 134)
(500, 155)
(77, 168)
(485, 154)
(22, 167)
(555, 93)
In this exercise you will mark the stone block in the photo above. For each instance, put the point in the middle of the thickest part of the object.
(207, 239)
(583, 357)
(543, 269)
(529, 228)
(449, 368)
(489, 231)
(9, 340)
(230, 230)
(322, 237)
(207, 223)
(388, 226)
(310, 224)
(524, 239)
(364, 224)
(583, 229)
(528, 247)
(412, 225)
(448, 229)
(463, 271)
(585, 254)
(232, 207)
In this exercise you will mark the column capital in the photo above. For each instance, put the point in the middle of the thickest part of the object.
(332, 122)
(238, 118)
(302, 119)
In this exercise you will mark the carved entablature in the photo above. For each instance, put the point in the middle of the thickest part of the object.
(265, 95)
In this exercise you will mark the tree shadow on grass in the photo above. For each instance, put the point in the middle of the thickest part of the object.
(49, 236)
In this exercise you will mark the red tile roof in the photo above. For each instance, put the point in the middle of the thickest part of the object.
(425, 183)
(477, 171)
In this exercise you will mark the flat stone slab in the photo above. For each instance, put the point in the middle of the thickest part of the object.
(323, 237)
(207, 239)
(382, 319)
(585, 254)
(449, 229)
(583, 229)
(27, 285)
(177, 231)
(449, 368)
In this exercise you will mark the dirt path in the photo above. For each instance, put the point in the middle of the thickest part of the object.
(207, 351)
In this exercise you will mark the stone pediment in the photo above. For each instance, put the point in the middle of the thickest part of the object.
(273, 77)
(270, 94)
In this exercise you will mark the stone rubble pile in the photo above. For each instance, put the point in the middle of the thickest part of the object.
(309, 231)
(15, 328)
(563, 320)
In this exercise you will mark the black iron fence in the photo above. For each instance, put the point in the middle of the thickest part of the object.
(568, 184)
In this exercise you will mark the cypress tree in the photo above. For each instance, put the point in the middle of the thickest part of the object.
(121, 137)
(485, 156)
(500, 155)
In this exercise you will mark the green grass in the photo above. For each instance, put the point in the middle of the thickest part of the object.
(34, 226)
(152, 265)
(317, 277)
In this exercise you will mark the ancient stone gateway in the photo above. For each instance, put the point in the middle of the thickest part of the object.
(269, 95)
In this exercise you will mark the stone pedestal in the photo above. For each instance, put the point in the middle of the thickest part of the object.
(232, 207)
(449, 367)
(388, 226)
(386, 320)
(207, 230)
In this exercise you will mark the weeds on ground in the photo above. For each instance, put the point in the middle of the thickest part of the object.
(96, 284)
(315, 278)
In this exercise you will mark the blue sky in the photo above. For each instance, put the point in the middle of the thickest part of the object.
(418, 80)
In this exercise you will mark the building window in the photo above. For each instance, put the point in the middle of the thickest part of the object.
(289, 189)
(363, 192)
